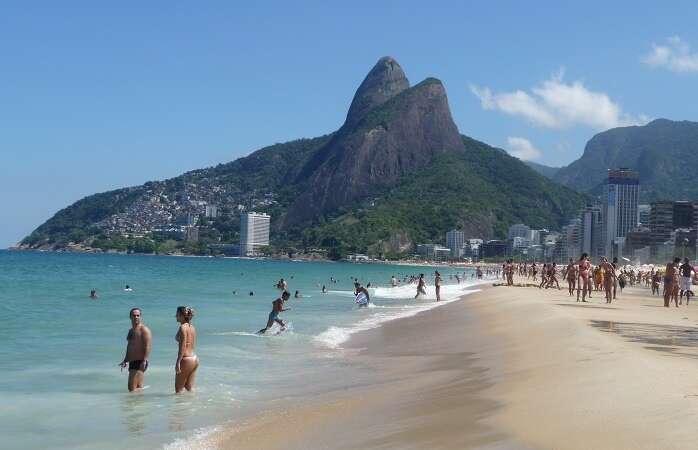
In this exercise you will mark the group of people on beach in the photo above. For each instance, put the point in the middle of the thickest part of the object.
(678, 278)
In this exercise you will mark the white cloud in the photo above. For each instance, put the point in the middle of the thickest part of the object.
(556, 104)
(522, 148)
(676, 56)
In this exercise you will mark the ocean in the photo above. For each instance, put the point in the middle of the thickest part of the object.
(62, 386)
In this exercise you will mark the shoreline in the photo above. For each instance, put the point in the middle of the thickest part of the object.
(506, 368)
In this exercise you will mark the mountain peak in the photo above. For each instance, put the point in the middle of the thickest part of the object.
(383, 82)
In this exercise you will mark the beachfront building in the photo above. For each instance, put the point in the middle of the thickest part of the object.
(493, 249)
(254, 232)
(620, 208)
(644, 214)
(519, 230)
(570, 242)
(666, 218)
(433, 251)
(591, 231)
(455, 240)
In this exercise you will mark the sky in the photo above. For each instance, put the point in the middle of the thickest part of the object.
(95, 96)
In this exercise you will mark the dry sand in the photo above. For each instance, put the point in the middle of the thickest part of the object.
(509, 367)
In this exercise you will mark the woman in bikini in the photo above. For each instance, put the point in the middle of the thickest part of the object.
(187, 361)
(584, 282)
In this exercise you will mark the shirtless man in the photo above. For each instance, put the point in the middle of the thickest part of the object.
(686, 280)
(138, 347)
(277, 306)
(571, 275)
(609, 279)
(669, 275)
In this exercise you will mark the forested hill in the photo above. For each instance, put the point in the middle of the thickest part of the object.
(663, 152)
(395, 173)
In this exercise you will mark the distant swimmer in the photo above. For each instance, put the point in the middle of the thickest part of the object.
(277, 306)
(393, 281)
(437, 285)
(251, 293)
(421, 286)
(127, 288)
(362, 296)
(282, 285)
(139, 342)
(93, 294)
(297, 294)
(324, 289)
(187, 361)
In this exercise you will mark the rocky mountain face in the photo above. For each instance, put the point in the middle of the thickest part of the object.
(392, 131)
(663, 152)
(395, 173)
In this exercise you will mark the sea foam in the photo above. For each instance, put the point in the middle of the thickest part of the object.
(334, 336)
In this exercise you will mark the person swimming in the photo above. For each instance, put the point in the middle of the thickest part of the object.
(297, 294)
(128, 288)
(93, 294)
(187, 362)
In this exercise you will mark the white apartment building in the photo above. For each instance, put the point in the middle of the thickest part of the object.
(254, 232)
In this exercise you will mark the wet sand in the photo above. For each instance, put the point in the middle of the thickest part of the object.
(509, 367)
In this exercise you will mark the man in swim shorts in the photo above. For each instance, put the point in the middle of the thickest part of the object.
(139, 340)
(686, 280)
(277, 306)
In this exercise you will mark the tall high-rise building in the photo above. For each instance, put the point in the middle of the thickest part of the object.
(666, 217)
(254, 232)
(591, 228)
(621, 214)
(455, 240)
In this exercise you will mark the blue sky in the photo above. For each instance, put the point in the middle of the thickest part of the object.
(96, 96)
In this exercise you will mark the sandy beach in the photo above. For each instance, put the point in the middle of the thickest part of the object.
(507, 367)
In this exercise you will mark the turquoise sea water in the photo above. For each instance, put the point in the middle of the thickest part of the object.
(62, 387)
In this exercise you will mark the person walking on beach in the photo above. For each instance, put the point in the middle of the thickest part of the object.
(669, 274)
(686, 280)
(187, 361)
(609, 279)
(138, 346)
(437, 285)
(584, 283)
(277, 306)
(421, 286)
(571, 275)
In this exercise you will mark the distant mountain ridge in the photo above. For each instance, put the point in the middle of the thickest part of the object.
(664, 152)
(395, 173)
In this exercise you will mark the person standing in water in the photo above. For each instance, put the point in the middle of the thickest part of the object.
(93, 294)
(359, 289)
(421, 286)
(437, 285)
(187, 361)
(277, 306)
(138, 346)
